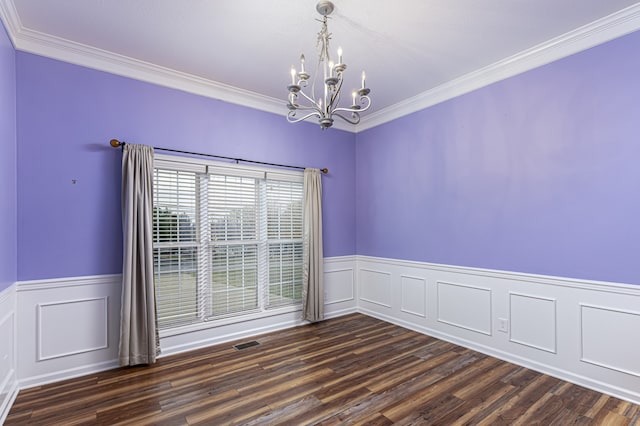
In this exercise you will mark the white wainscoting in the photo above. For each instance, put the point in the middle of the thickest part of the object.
(576, 330)
(8, 358)
(67, 327)
(581, 331)
(70, 326)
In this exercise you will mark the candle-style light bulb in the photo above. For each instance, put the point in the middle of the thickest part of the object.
(339, 55)
(363, 79)
(293, 75)
(302, 63)
(330, 68)
(353, 95)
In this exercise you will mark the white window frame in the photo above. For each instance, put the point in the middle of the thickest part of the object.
(208, 167)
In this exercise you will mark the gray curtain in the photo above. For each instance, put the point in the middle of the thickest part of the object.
(312, 285)
(139, 340)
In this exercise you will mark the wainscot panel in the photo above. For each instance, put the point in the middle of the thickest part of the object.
(465, 306)
(541, 333)
(580, 331)
(414, 295)
(68, 327)
(378, 288)
(610, 347)
(8, 368)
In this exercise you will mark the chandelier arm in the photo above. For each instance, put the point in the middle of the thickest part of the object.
(354, 121)
(365, 98)
(310, 99)
(352, 110)
(356, 110)
(306, 108)
(291, 114)
(362, 98)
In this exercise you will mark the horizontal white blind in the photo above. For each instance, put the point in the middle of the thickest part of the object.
(284, 210)
(175, 246)
(233, 208)
(233, 220)
(285, 273)
(284, 235)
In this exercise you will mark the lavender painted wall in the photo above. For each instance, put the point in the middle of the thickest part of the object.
(8, 200)
(66, 116)
(538, 173)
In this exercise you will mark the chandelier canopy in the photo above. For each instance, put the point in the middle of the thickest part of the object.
(325, 105)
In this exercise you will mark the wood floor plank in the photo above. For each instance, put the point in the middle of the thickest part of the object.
(518, 404)
(349, 370)
(481, 402)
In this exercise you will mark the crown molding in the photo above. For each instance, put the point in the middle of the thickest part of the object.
(30, 41)
(605, 29)
(10, 19)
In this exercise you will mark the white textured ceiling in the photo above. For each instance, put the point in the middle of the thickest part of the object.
(407, 47)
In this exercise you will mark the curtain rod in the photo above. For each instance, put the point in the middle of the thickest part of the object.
(116, 143)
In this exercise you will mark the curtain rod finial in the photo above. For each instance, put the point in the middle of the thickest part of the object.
(324, 171)
(115, 143)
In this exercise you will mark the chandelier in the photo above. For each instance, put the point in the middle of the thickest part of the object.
(325, 105)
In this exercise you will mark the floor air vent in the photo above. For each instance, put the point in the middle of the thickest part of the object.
(246, 345)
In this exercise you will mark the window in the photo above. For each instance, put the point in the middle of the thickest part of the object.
(227, 240)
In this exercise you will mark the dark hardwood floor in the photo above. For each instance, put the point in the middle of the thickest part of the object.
(349, 370)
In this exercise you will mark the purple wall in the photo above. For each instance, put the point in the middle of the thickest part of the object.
(536, 173)
(8, 200)
(539, 173)
(66, 116)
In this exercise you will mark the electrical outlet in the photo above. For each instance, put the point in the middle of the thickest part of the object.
(503, 325)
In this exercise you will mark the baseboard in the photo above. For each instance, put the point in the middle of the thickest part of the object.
(248, 332)
(217, 335)
(70, 373)
(341, 313)
(556, 325)
(8, 401)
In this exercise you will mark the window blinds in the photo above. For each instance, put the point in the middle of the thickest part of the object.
(226, 241)
(175, 251)
(284, 239)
